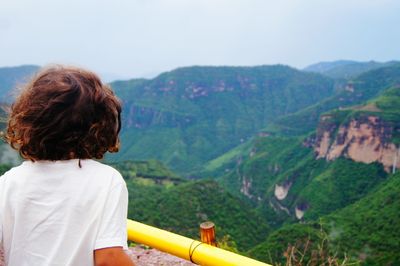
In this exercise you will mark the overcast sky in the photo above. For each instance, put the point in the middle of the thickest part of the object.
(135, 38)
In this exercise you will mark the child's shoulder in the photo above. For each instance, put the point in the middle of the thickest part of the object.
(99, 165)
(48, 167)
(103, 169)
(13, 170)
(9, 174)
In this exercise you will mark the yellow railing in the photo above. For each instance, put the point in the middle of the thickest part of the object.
(186, 248)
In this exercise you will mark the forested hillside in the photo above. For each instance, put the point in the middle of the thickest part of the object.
(160, 198)
(341, 163)
(190, 115)
(355, 91)
(277, 158)
(366, 232)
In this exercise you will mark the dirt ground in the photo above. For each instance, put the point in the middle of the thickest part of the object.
(145, 257)
(154, 257)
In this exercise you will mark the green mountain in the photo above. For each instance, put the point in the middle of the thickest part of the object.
(357, 91)
(371, 129)
(302, 179)
(292, 164)
(366, 135)
(190, 115)
(322, 67)
(346, 69)
(285, 180)
(10, 77)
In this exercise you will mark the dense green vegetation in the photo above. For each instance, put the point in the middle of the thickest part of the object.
(273, 249)
(338, 192)
(182, 208)
(151, 170)
(160, 198)
(268, 158)
(367, 230)
(388, 108)
(246, 137)
(316, 186)
(340, 184)
(319, 188)
(370, 228)
(191, 115)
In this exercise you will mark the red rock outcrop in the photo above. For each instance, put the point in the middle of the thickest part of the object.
(364, 140)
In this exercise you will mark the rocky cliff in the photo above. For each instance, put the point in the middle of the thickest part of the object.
(364, 139)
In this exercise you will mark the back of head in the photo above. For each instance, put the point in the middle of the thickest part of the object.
(64, 113)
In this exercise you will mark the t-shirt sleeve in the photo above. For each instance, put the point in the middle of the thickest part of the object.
(112, 231)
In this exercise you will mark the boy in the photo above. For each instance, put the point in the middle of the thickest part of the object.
(61, 207)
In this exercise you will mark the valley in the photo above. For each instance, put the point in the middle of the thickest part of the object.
(276, 157)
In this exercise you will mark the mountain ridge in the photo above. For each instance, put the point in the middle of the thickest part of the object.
(200, 112)
(316, 165)
(346, 69)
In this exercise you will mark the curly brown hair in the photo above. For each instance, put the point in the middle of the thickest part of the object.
(64, 113)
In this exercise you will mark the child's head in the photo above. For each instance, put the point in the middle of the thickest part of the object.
(64, 113)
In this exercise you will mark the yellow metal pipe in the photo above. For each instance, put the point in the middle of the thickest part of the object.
(186, 248)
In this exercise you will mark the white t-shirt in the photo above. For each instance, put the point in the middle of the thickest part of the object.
(54, 213)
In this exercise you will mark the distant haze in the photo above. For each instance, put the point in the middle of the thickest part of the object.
(141, 38)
